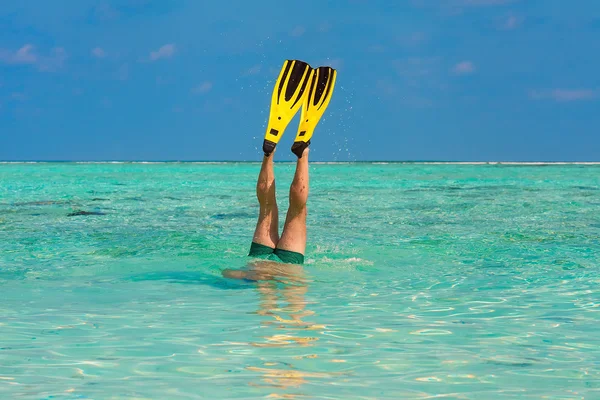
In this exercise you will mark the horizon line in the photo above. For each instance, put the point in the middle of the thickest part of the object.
(425, 162)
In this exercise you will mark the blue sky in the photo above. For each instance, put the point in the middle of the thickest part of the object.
(191, 80)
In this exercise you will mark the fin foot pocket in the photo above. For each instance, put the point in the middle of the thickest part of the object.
(298, 148)
(268, 147)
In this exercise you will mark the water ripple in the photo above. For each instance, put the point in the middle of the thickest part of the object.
(421, 281)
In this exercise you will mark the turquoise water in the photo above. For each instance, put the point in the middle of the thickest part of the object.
(462, 281)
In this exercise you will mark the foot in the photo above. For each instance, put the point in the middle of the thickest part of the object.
(299, 148)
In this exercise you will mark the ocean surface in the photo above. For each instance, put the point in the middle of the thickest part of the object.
(421, 281)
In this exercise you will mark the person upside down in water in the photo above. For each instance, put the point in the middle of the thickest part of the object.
(298, 86)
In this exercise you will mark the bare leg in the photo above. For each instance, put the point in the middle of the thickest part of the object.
(267, 229)
(293, 237)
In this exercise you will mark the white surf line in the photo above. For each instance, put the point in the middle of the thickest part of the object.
(322, 162)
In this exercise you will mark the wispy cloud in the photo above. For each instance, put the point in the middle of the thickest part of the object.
(511, 22)
(464, 68)
(564, 95)
(166, 51)
(25, 55)
(204, 87)
(98, 52)
(298, 31)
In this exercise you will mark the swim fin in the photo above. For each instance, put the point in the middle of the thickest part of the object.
(288, 96)
(315, 103)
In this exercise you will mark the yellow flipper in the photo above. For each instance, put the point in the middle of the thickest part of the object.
(288, 96)
(315, 103)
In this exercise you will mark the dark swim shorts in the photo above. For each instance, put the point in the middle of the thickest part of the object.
(288, 257)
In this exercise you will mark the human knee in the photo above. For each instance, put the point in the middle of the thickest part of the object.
(298, 196)
(299, 189)
(265, 186)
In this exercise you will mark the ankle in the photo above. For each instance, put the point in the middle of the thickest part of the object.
(299, 148)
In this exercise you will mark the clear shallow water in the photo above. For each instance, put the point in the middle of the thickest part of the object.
(461, 281)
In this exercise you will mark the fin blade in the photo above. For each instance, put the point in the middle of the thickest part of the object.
(316, 102)
(279, 84)
(288, 96)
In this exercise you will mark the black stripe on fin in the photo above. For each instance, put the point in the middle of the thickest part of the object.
(296, 76)
(288, 64)
(322, 80)
(313, 82)
(329, 85)
(306, 80)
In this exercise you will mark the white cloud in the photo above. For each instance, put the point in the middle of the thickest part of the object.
(511, 22)
(166, 51)
(98, 52)
(25, 55)
(464, 68)
(564, 95)
(204, 87)
(298, 31)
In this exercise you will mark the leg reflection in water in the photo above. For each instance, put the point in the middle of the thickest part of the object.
(279, 282)
(282, 290)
